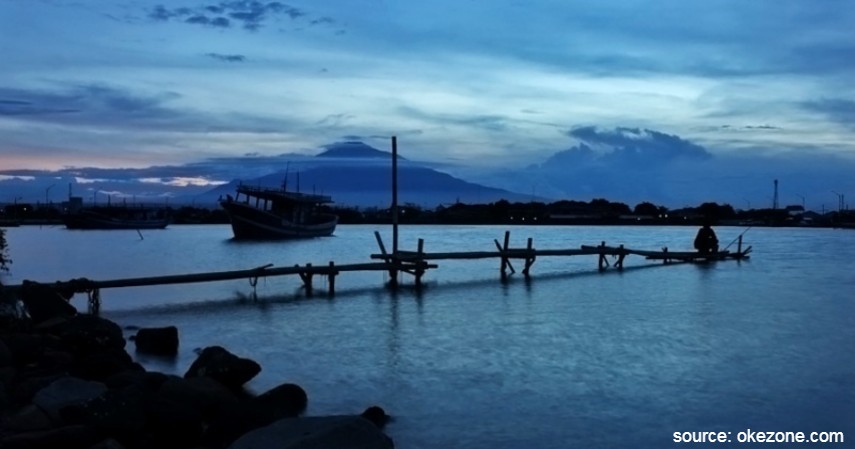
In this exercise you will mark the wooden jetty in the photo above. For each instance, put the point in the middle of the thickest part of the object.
(415, 263)
(529, 255)
(306, 273)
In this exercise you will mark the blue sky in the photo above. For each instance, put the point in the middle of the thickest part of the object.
(476, 84)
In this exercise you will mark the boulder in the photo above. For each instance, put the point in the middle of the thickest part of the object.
(341, 432)
(66, 391)
(171, 424)
(120, 414)
(157, 341)
(69, 437)
(29, 418)
(89, 334)
(283, 401)
(43, 302)
(224, 367)
(137, 376)
(204, 394)
(101, 366)
(377, 416)
(6, 358)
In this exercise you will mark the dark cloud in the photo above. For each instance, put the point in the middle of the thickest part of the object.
(101, 106)
(761, 127)
(631, 166)
(226, 58)
(251, 15)
(20, 107)
(839, 110)
(634, 146)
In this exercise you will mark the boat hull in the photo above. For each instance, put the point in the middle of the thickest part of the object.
(249, 223)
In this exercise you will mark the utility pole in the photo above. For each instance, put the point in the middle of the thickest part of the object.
(775, 197)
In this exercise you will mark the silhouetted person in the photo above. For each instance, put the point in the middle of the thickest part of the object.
(706, 240)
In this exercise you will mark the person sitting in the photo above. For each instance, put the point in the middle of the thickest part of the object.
(706, 240)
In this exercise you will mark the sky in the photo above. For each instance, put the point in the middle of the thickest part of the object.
(475, 86)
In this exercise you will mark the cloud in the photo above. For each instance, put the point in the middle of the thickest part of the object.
(226, 58)
(839, 110)
(250, 14)
(630, 147)
(87, 103)
(21, 107)
(108, 107)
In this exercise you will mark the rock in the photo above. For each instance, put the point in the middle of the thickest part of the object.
(151, 380)
(66, 391)
(109, 443)
(120, 414)
(341, 432)
(172, 424)
(158, 340)
(221, 365)
(26, 386)
(6, 358)
(283, 401)
(376, 415)
(101, 366)
(204, 394)
(28, 419)
(24, 348)
(43, 302)
(69, 437)
(89, 334)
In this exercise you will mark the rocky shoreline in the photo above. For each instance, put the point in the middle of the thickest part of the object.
(66, 380)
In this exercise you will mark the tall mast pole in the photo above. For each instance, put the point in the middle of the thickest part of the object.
(394, 195)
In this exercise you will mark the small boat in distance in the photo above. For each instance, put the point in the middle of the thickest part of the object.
(117, 217)
(267, 213)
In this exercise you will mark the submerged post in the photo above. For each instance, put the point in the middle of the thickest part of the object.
(333, 273)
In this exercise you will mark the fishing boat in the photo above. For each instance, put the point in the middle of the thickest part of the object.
(117, 217)
(268, 213)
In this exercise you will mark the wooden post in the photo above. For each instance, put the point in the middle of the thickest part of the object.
(665, 259)
(395, 196)
(95, 302)
(739, 246)
(602, 263)
(333, 273)
(420, 270)
(529, 258)
(621, 256)
(307, 280)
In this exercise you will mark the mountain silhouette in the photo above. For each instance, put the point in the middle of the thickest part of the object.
(356, 174)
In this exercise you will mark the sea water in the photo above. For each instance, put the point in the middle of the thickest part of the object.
(573, 357)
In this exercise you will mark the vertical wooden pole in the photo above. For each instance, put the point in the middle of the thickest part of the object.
(621, 255)
(395, 196)
(529, 258)
(739, 246)
(420, 263)
(308, 280)
(332, 278)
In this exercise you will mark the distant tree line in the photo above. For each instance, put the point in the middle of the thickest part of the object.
(596, 211)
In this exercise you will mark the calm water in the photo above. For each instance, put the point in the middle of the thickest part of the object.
(574, 358)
